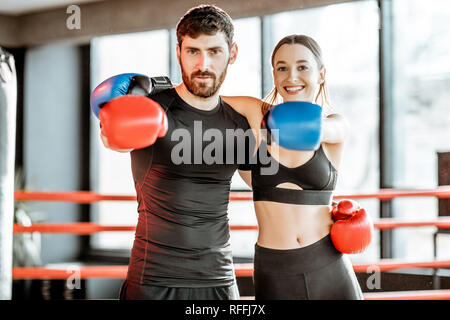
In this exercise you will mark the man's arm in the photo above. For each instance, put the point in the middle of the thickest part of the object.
(128, 118)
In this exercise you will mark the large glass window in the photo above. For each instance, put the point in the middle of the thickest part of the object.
(150, 55)
(348, 36)
(244, 78)
(146, 53)
(421, 82)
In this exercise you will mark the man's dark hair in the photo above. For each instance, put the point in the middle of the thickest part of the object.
(205, 19)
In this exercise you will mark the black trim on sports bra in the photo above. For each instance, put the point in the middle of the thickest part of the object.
(293, 196)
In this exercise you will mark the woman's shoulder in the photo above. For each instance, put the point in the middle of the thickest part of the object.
(245, 105)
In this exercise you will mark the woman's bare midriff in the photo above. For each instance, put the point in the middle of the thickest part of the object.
(288, 226)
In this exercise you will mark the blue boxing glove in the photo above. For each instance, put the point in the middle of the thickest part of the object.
(123, 84)
(299, 125)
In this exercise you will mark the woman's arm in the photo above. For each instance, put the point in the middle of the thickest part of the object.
(244, 105)
(246, 175)
(250, 108)
(334, 129)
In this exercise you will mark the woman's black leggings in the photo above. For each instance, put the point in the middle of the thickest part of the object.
(315, 272)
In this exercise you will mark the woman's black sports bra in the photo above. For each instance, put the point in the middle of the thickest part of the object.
(317, 177)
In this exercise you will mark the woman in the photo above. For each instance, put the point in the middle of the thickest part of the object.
(294, 255)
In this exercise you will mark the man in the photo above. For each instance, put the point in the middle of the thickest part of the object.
(181, 248)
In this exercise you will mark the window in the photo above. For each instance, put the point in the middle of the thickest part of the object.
(348, 36)
(146, 53)
(421, 82)
(150, 55)
(244, 78)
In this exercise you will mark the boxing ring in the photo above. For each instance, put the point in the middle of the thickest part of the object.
(241, 269)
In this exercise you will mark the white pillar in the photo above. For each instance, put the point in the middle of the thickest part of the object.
(8, 100)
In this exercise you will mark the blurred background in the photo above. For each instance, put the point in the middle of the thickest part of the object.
(388, 71)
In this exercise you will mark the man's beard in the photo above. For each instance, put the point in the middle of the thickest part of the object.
(202, 89)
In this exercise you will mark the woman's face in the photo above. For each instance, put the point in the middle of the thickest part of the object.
(296, 74)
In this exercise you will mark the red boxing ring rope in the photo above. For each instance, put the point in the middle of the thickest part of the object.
(90, 197)
(243, 270)
(84, 228)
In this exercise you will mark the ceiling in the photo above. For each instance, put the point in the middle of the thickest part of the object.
(19, 7)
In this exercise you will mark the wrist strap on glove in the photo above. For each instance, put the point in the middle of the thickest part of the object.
(160, 83)
(145, 86)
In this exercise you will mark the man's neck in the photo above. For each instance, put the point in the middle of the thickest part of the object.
(196, 101)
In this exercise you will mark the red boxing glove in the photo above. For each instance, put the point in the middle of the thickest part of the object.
(132, 122)
(353, 227)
